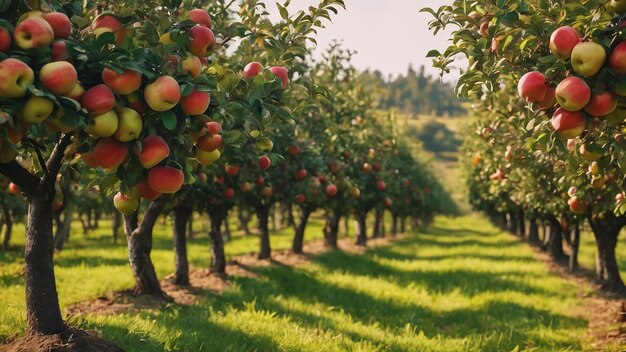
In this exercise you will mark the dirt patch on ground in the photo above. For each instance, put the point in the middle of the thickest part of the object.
(202, 281)
(74, 340)
(605, 312)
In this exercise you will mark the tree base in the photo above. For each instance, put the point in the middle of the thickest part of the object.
(72, 340)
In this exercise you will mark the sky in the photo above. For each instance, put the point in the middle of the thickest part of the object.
(388, 35)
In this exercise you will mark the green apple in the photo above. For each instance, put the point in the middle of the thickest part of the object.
(129, 125)
(37, 109)
(125, 204)
(103, 125)
(588, 58)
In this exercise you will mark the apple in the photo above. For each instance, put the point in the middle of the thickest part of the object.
(135, 103)
(331, 190)
(109, 23)
(37, 109)
(367, 168)
(617, 6)
(165, 179)
(573, 94)
(301, 174)
(484, 29)
(103, 125)
(15, 77)
(98, 99)
(5, 40)
(252, 70)
(617, 60)
(245, 187)
(264, 144)
(388, 202)
(549, 100)
(567, 123)
(162, 94)
(77, 92)
(381, 185)
(58, 77)
(498, 175)
(532, 87)
(281, 73)
(202, 177)
(209, 142)
(300, 198)
(264, 162)
(59, 51)
(60, 23)
(219, 180)
(601, 104)
(213, 127)
(267, 191)
(192, 66)
(588, 58)
(321, 178)
(334, 167)
(355, 192)
(110, 153)
(231, 170)
(154, 149)
(259, 181)
(145, 192)
(196, 103)
(200, 16)
(377, 166)
(562, 42)
(590, 152)
(32, 33)
(202, 41)
(229, 193)
(89, 159)
(14, 189)
(616, 117)
(206, 158)
(294, 150)
(125, 204)
(123, 83)
(594, 168)
(576, 205)
(130, 125)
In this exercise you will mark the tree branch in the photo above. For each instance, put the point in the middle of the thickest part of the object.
(56, 159)
(152, 213)
(130, 223)
(20, 176)
(38, 148)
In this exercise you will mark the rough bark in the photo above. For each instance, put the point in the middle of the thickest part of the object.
(218, 258)
(394, 225)
(403, 224)
(244, 218)
(555, 243)
(512, 223)
(182, 214)
(533, 231)
(299, 228)
(331, 228)
(139, 237)
(190, 226)
(377, 220)
(606, 228)
(521, 219)
(574, 244)
(227, 233)
(117, 222)
(8, 223)
(361, 218)
(262, 213)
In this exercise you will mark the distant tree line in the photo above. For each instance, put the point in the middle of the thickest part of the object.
(416, 93)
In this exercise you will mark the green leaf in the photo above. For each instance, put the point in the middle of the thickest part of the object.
(169, 120)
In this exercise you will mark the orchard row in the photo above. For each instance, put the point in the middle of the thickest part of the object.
(182, 106)
(547, 84)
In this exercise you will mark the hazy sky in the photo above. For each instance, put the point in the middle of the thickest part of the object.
(387, 34)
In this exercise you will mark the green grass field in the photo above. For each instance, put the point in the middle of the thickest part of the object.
(459, 286)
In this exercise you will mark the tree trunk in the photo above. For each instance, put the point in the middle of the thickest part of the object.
(521, 222)
(227, 233)
(182, 214)
(84, 224)
(218, 258)
(533, 231)
(139, 247)
(89, 219)
(394, 225)
(361, 218)
(331, 228)
(8, 222)
(512, 223)
(244, 217)
(298, 238)
(503, 221)
(262, 213)
(377, 220)
(190, 226)
(606, 230)
(574, 243)
(64, 223)
(403, 224)
(555, 243)
(117, 222)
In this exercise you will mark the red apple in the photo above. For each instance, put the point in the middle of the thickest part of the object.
(388, 202)
(229, 193)
(123, 83)
(568, 124)
(617, 60)
(209, 142)
(498, 175)
(301, 198)
(109, 153)
(162, 94)
(281, 73)
(367, 168)
(381, 185)
(214, 127)
(577, 206)
(377, 166)
(15, 77)
(562, 42)
(195, 103)
(260, 181)
(245, 187)
(33, 32)
(165, 179)
(58, 77)
(601, 104)
(231, 170)
(89, 159)
(5, 40)
(200, 16)
(267, 191)
(59, 51)
(331, 190)
(532, 87)
(154, 149)
(192, 66)
(202, 41)
(264, 162)
(109, 23)
(549, 100)
(14, 189)
(60, 23)
(252, 70)
(301, 174)
(294, 150)
(145, 192)
(573, 94)
(98, 100)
